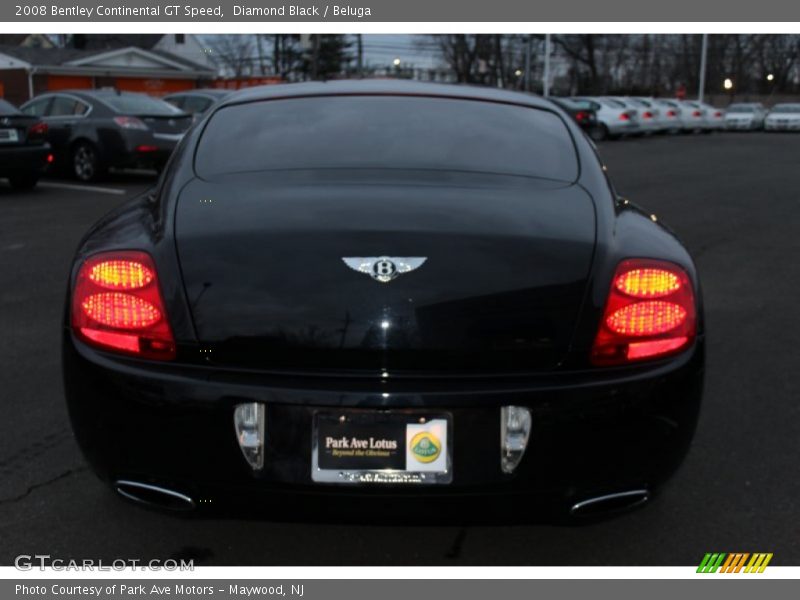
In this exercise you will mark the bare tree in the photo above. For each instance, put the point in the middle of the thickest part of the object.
(234, 53)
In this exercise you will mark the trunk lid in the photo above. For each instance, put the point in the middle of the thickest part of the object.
(507, 261)
(169, 125)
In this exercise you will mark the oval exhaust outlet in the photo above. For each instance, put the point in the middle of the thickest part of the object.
(153, 495)
(610, 503)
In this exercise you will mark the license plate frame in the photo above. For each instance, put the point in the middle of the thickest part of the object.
(401, 466)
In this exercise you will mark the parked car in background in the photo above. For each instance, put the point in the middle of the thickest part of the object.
(582, 113)
(664, 122)
(712, 118)
(672, 113)
(746, 116)
(24, 151)
(615, 118)
(93, 130)
(783, 117)
(649, 114)
(196, 102)
(693, 117)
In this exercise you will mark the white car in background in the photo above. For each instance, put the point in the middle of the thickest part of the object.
(713, 118)
(783, 117)
(615, 118)
(646, 118)
(693, 117)
(671, 112)
(650, 111)
(746, 116)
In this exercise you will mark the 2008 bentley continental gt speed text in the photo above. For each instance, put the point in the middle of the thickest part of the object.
(384, 289)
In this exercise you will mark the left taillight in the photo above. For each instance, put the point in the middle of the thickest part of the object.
(117, 305)
(37, 131)
(650, 313)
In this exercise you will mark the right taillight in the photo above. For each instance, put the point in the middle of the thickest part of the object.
(624, 117)
(117, 305)
(37, 131)
(130, 123)
(650, 313)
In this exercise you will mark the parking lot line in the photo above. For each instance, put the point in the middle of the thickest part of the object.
(83, 188)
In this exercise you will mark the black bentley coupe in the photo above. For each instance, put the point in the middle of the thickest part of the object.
(384, 289)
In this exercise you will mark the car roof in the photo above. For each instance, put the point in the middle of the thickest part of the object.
(384, 87)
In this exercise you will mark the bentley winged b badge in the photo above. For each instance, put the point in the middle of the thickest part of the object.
(384, 268)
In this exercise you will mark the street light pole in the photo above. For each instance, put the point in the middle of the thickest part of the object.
(703, 54)
(546, 82)
(528, 63)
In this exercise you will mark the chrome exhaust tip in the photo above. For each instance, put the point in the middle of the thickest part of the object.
(153, 495)
(609, 503)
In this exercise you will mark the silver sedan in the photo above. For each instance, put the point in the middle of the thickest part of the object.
(783, 117)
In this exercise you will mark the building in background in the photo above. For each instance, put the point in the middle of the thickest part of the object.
(26, 71)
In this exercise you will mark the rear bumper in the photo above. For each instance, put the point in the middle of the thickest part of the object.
(135, 148)
(23, 160)
(173, 427)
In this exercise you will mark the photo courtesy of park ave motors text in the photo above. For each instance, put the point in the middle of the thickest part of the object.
(399, 299)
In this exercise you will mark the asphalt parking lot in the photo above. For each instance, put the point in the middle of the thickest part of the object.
(733, 198)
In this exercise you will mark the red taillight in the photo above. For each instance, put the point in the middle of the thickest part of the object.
(647, 283)
(650, 312)
(50, 158)
(144, 148)
(130, 123)
(671, 113)
(647, 115)
(581, 116)
(37, 130)
(624, 117)
(697, 113)
(117, 305)
(718, 114)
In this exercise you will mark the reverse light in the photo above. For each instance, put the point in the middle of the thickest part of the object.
(650, 312)
(117, 305)
(130, 123)
(248, 421)
(515, 429)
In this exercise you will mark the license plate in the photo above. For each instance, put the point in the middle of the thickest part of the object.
(382, 447)
(8, 135)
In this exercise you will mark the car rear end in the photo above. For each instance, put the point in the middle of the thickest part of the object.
(24, 151)
(396, 314)
(616, 117)
(143, 131)
(649, 115)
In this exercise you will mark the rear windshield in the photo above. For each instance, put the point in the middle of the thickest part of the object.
(386, 132)
(6, 108)
(140, 105)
